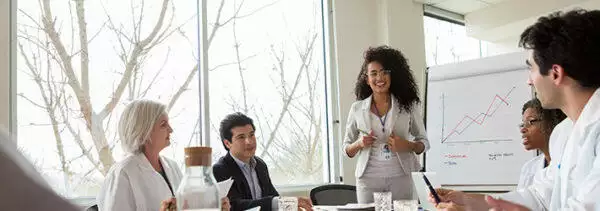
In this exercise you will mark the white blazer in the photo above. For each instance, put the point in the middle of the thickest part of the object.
(133, 184)
(572, 180)
(408, 126)
(529, 169)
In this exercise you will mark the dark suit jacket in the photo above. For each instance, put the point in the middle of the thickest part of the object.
(239, 195)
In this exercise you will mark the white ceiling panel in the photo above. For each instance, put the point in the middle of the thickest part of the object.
(462, 6)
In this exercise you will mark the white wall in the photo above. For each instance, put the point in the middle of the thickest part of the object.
(502, 47)
(4, 63)
(359, 24)
(493, 25)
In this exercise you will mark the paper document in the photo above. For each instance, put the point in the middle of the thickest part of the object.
(224, 187)
(257, 208)
(352, 206)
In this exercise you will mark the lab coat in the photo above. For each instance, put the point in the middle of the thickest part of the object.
(133, 184)
(572, 180)
(529, 169)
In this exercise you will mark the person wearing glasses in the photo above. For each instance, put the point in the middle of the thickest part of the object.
(563, 62)
(536, 128)
(385, 129)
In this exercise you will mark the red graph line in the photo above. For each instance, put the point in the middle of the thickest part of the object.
(476, 119)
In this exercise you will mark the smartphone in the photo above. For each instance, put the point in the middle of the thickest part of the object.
(362, 131)
(432, 190)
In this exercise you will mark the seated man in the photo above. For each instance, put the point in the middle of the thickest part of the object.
(252, 185)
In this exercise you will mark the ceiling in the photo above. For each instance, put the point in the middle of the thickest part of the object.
(460, 6)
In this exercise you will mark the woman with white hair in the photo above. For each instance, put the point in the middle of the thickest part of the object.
(144, 178)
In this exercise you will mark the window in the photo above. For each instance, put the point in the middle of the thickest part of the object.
(267, 60)
(447, 42)
(80, 62)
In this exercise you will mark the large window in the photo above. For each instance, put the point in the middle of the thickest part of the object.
(80, 62)
(447, 42)
(267, 60)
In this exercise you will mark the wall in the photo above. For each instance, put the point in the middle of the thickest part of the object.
(359, 24)
(493, 25)
(4, 63)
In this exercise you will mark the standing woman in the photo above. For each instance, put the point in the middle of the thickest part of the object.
(384, 127)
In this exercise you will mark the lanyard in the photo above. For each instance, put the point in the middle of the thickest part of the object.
(382, 120)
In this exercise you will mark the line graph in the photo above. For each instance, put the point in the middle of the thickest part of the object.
(480, 119)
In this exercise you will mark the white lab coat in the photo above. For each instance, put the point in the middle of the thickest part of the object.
(133, 184)
(572, 180)
(529, 169)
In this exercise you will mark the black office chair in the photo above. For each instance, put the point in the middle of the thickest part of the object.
(92, 208)
(334, 194)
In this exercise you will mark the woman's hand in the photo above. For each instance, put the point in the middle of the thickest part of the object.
(225, 205)
(304, 203)
(168, 205)
(366, 140)
(398, 144)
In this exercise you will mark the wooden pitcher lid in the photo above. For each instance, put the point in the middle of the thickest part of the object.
(198, 156)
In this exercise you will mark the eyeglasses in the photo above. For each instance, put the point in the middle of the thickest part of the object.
(528, 123)
(375, 73)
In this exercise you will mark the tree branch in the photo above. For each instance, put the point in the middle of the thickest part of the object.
(288, 100)
(132, 62)
(183, 87)
(83, 43)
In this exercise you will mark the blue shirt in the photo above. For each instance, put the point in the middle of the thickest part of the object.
(248, 169)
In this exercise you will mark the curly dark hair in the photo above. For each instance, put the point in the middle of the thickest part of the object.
(549, 117)
(571, 40)
(230, 121)
(402, 83)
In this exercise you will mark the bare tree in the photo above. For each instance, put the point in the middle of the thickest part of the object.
(58, 61)
(64, 80)
(292, 132)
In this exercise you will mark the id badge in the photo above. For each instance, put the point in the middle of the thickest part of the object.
(386, 153)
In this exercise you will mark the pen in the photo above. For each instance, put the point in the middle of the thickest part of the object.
(435, 195)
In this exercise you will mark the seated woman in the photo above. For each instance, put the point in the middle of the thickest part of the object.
(144, 180)
(536, 128)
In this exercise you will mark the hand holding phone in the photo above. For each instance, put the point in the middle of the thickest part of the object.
(367, 139)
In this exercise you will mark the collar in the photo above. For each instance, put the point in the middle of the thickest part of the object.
(242, 164)
(367, 103)
(145, 164)
(591, 110)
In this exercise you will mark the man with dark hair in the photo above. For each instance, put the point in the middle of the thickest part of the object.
(252, 185)
(564, 61)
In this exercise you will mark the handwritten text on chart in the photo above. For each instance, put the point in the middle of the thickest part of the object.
(452, 159)
(450, 163)
(497, 156)
(455, 156)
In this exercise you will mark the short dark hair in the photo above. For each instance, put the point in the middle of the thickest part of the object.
(571, 40)
(402, 85)
(549, 117)
(230, 121)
